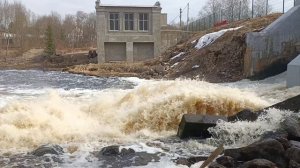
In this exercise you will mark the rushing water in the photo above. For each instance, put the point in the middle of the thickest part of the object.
(87, 113)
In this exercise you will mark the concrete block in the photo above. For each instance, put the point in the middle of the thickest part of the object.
(195, 126)
(293, 73)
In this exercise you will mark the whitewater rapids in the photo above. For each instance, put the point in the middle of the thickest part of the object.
(127, 110)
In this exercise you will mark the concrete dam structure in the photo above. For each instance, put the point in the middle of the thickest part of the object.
(269, 51)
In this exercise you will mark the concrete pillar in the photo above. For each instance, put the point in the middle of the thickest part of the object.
(156, 30)
(101, 28)
(129, 51)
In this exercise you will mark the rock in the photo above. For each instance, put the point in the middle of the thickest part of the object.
(292, 126)
(48, 149)
(294, 164)
(245, 115)
(226, 161)
(216, 165)
(110, 151)
(284, 142)
(269, 149)
(294, 144)
(195, 126)
(115, 150)
(274, 135)
(291, 104)
(280, 136)
(114, 156)
(293, 154)
(259, 163)
(190, 161)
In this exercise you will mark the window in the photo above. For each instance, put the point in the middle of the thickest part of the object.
(129, 21)
(143, 22)
(114, 22)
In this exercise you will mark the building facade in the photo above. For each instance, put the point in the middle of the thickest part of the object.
(128, 33)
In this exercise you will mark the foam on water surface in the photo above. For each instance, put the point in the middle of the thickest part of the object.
(131, 111)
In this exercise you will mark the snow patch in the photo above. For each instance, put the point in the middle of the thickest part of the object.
(174, 64)
(211, 37)
(178, 55)
(196, 66)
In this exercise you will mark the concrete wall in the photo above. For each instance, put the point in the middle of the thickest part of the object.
(164, 19)
(297, 2)
(104, 35)
(293, 73)
(275, 45)
(143, 51)
(170, 38)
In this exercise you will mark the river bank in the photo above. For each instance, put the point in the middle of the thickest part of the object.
(220, 60)
(38, 60)
(215, 55)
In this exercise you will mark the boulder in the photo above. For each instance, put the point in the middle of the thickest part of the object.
(291, 104)
(226, 161)
(115, 151)
(48, 149)
(195, 126)
(245, 115)
(216, 165)
(294, 164)
(259, 163)
(293, 153)
(269, 149)
(292, 126)
(117, 157)
(190, 161)
(295, 144)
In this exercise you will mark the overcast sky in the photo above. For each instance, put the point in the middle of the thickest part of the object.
(71, 6)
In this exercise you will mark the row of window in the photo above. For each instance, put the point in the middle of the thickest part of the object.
(114, 21)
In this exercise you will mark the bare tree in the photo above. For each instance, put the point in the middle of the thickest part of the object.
(260, 8)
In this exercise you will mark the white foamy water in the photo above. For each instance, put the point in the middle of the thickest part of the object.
(86, 112)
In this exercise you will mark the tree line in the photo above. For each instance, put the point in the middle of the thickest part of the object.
(22, 29)
(235, 9)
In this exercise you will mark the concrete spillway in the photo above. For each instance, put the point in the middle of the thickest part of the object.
(269, 51)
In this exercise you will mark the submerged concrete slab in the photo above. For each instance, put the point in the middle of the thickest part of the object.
(195, 126)
(293, 73)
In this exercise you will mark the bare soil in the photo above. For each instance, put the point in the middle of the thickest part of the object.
(36, 59)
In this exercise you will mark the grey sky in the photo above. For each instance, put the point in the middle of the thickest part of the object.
(71, 6)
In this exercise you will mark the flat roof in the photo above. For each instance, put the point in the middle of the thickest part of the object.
(128, 6)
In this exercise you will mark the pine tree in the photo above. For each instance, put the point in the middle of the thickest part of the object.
(50, 45)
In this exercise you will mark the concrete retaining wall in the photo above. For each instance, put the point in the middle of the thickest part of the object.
(293, 73)
(170, 38)
(275, 46)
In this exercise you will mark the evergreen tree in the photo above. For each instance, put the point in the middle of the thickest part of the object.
(50, 44)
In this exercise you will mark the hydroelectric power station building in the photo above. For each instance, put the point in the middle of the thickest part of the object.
(129, 33)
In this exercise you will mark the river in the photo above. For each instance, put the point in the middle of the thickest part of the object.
(87, 113)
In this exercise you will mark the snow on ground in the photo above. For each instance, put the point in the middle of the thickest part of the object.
(174, 64)
(178, 55)
(195, 66)
(211, 37)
